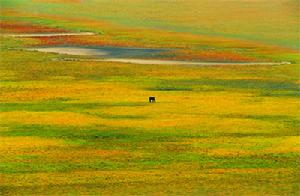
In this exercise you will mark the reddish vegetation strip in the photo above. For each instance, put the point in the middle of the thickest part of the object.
(90, 40)
(212, 55)
(27, 28)
(31, 35)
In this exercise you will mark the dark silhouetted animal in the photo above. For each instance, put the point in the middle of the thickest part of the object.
(151, 99)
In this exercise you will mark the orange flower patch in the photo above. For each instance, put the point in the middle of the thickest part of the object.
(247, 170)
(18, 144)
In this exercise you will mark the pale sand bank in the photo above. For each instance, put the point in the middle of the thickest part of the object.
(71, 51)
(170, 62)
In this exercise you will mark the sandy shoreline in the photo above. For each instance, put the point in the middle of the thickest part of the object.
(70, 51)
(170, 62)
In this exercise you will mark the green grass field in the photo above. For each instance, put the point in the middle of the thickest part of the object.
(86, 127)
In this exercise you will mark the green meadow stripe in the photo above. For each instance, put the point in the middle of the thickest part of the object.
(64, 106)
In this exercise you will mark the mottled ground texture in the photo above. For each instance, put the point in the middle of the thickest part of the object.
(85, 127)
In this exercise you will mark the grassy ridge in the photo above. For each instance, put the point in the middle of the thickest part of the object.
(200, 30)
(251, 20)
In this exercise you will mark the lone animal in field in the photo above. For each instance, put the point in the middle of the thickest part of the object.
(151, 99)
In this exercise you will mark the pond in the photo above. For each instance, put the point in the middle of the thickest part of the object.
(144, 56)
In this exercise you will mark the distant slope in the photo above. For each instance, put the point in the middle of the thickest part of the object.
(272, 22)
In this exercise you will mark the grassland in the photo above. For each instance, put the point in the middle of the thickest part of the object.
(86, 128)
